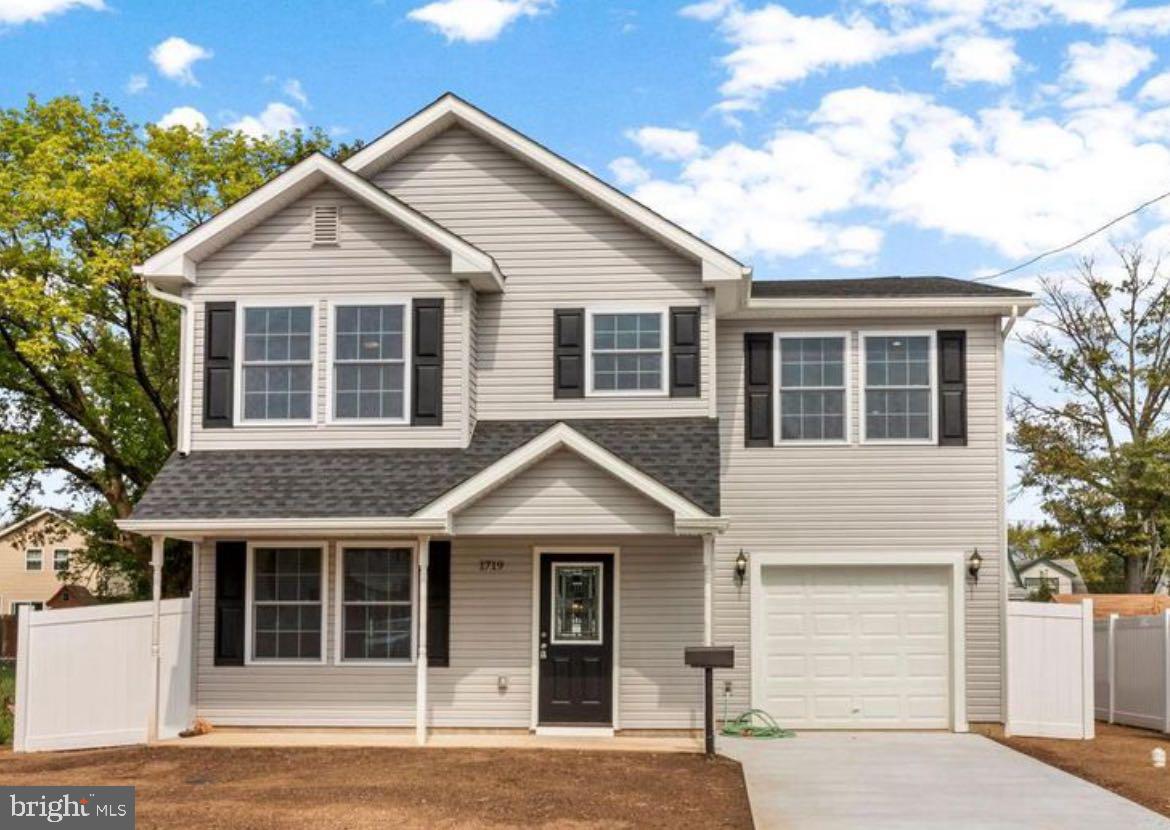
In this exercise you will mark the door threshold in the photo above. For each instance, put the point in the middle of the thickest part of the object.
(575, 731)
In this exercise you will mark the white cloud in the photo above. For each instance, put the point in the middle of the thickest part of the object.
(293, 89)
(977, 58)
(707, 10)
(627, 172)
(174, 58)
(667, 143)
(137, 83)
(1099, 73)
(275, 118)
(188, 117)
(475, 21)
(15, 12)
(1156, 89)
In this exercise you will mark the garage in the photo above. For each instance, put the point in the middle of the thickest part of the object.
(855, 646)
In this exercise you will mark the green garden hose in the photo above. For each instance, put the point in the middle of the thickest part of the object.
(744, 726)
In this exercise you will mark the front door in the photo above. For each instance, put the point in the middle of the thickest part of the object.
(576, 639)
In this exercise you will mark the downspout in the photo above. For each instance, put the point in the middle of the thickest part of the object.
(1005, 331)
(186, 360)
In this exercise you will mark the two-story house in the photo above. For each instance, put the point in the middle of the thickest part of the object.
(35, 552)
(469, 438)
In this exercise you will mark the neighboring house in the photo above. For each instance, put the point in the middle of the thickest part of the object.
(469, 438)
(34, 552)
(1061, 575)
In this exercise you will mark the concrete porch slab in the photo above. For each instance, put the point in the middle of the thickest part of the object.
(912, 780)
(404, 738)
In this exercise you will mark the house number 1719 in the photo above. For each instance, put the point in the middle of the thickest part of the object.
(491, 564)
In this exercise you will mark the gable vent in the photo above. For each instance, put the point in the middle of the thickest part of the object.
(326, 224)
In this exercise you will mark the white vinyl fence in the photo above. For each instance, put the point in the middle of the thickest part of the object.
(1050, 670)
(1133, 670)
(85, 676)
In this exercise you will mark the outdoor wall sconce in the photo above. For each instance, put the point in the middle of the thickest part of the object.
(740, 567)
(974, 563)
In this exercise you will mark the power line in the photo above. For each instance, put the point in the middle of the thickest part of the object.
(1075, 242)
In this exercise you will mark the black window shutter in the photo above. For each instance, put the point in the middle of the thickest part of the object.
(757, 358)
(685, 351)
(952, 387)
(219, 347)
(231, 563)
(569, 353)
(427, 372)
(439, 604)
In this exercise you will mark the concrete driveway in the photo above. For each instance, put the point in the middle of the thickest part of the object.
(926, 780)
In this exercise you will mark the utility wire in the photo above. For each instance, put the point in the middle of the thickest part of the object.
(1074, 243)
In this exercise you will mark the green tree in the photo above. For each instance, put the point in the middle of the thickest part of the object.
(1100, 454)
(88, 360)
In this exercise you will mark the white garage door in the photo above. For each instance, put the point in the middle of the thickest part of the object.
(856, 647)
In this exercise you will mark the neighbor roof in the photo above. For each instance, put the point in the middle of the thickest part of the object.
(881, 287)
(682, 454)
(62, 515)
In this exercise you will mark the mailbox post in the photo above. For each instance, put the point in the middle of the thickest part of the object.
(709, 658)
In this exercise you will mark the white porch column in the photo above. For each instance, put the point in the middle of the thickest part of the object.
(709, 589)
(420, 699)
(156, 565)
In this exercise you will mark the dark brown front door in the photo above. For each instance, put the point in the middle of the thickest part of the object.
(576, 638)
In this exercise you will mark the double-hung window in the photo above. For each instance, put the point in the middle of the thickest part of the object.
(60, 560)
(812, 387)
(278, 363)
(627, 352)
(369, 362)
(377, 592)
(899, 392)
(287, 588)
(33, 559)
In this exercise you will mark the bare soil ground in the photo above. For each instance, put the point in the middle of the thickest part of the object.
(378, 788)
(1118, 759)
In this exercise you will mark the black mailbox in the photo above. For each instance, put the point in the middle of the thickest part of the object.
(710, 657)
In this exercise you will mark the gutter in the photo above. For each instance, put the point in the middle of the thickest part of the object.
(186, 360)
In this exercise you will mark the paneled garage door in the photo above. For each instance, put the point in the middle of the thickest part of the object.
(856, 647)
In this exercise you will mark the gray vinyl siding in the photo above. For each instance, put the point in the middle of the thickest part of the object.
(557, 250)
(871, 498)
(661, 609)
(564, 492)
(375, 258)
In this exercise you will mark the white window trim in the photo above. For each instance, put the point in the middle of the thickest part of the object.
(664, 384)
(932, 374)
(311, 303)
(40, 565)
(847, 336)
(552, 600)
(339, 603)
(331, 306)
(250, 612)
(68, 556)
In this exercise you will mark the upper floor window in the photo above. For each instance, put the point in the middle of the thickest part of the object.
(369, 362)
(627, 352)
(898, 387)
(60, 560)
(33, 559)
(278, 363)
(812, 397)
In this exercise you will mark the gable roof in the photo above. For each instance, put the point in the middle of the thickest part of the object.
(175, 263)
(1064, 566)
(673, 460)
(881, 287)
(33, 517)
(449, 110)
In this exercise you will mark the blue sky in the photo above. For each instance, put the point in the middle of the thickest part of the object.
(812, 139)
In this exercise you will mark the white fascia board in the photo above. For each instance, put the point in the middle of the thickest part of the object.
(188, 528)
(560, 436)
(805, 307)
(717, 266)
(178, 261)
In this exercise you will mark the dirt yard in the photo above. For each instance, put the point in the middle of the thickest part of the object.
(379, 788)
(1118, 759)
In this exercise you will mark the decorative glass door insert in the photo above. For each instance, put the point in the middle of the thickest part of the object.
(577, 602)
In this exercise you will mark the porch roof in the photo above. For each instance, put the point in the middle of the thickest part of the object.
(681, 454)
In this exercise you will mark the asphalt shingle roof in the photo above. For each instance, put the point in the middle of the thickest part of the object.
(883, 287)
(680, 453)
